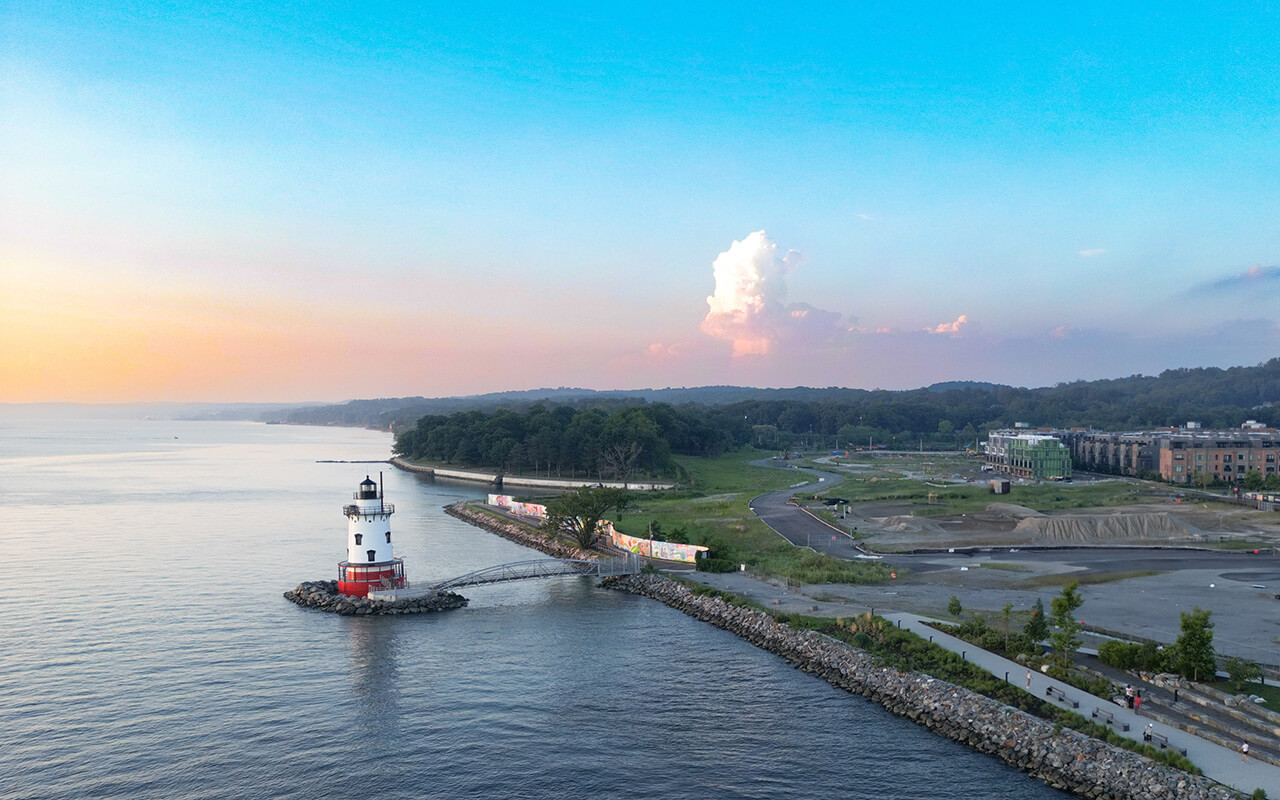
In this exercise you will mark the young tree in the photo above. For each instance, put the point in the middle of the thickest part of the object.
(953, 606)
(578, 514)
(1037, 628)
(1007, 614)
(1194, 648)
(1065, 637)
(1241, 671)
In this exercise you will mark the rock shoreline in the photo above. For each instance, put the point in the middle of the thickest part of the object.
(519, 533)
(1063, 758)
(323, 595)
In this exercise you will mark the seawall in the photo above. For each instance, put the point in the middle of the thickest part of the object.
(1063, 758)
(498, 479)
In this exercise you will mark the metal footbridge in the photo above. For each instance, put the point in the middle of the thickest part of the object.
(543, 568)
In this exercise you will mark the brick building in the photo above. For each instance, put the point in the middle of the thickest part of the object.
(1177, 454)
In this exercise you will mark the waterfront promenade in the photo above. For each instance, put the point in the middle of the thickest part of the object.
(1222, 764)
(1219, 763)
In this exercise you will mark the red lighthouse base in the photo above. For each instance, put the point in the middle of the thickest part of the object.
(357, 579)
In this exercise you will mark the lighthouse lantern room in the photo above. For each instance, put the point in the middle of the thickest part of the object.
(371, 563)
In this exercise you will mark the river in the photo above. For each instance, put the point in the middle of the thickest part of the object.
(151, 654)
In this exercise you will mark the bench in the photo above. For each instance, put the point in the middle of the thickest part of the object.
(1108, 718)
(1163, 741)
(1059, 695)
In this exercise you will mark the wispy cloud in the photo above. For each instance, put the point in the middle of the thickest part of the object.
(1093, 251)
(1256, 277)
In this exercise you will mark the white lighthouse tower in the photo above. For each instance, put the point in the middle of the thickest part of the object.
(371, 563)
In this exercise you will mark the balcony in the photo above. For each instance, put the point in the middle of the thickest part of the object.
(381, 508)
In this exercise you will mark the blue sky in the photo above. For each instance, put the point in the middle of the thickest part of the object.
(234, 202)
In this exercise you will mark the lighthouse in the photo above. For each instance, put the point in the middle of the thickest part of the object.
(371, 563)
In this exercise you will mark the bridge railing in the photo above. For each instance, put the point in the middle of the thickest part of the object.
(544, 568)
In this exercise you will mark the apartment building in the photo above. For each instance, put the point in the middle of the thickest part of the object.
(1178, 454)
(1028, 455)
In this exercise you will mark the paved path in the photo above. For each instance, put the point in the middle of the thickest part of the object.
(1219, 763)
(797, 525)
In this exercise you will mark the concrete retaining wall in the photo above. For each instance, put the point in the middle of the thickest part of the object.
(497, 479)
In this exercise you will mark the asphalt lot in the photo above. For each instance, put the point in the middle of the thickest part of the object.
(1239, 588)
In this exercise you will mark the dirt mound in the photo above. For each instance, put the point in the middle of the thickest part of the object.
(908, 524)
(1012, 510)
(1095, 528)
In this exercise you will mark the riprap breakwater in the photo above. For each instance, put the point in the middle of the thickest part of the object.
(324, 595)
(522, 534)
(1063, 758)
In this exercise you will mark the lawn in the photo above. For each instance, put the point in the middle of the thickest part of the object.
(714, 512)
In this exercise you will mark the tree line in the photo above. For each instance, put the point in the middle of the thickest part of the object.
(567, 442)
(614, 436)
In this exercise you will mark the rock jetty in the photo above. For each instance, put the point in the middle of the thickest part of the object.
(1063, 758)
(519, 533)
(324, 596)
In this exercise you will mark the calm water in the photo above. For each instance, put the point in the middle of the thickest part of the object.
(150, 653)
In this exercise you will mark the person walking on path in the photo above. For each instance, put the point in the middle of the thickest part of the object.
(1028, 680)
(1244, 751)
(1137, 702)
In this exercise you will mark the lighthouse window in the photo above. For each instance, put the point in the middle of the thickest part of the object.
(359, 538)
(388, 537)
(371, 553)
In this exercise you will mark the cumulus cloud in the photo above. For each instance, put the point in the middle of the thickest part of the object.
(747, 308)
(1093, 251)
(953, 327)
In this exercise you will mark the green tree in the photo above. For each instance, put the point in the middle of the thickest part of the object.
(1194, 649)
(1037, 628)
(1241, 671)
(1253, 480)
(1065, 637)
(578, 514)
(953, 606)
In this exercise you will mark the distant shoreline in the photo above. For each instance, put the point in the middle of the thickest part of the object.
(500, 480)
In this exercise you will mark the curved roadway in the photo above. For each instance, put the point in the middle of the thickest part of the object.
(797, 525)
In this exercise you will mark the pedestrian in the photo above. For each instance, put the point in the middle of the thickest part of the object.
(1244, 751)
(1146, 733)
(1175, 695)
(1028, 680)
(1137, 703)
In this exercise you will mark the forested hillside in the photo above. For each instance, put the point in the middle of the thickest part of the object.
(514, 430)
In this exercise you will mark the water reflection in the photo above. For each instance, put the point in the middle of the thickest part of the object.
(373, 649)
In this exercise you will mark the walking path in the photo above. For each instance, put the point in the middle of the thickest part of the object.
(1217, 762)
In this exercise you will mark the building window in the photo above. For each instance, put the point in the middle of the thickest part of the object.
(388, 537)
(1178, 468)
(371, 554)
(359, 538)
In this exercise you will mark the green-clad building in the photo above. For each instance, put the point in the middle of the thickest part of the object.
(1028, 455)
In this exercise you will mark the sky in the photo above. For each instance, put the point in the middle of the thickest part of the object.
(235, 202)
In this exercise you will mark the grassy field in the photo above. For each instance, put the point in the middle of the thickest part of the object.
(714, 513)
(963, 498)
